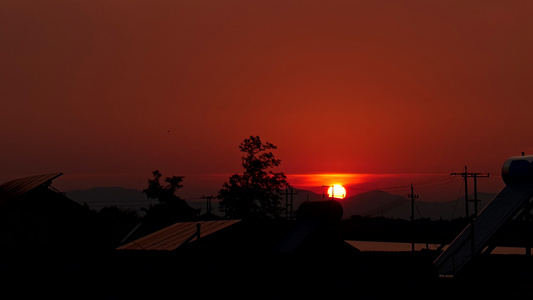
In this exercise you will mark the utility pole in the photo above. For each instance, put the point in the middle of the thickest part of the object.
(287, 202)
(292, 194)
(323, 194)
(289, 205)
(208, 202)
(475, 193)
(413, 197)
(465, 175)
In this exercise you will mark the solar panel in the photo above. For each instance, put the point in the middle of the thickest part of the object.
(18, 187)
(501, 208)
(173, 236)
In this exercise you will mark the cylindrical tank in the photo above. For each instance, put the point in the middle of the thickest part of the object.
(518, 170)
(330, 210)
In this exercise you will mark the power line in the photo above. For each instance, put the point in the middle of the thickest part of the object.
(465, 175)
(431, 183)
(208, 202)
(413, 197)
(289, 202)
(386, 207)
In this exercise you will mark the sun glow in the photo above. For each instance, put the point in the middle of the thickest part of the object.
(336, 191)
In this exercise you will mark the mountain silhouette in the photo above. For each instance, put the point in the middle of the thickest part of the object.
(380, 203)
(99, 197)
(372, 203)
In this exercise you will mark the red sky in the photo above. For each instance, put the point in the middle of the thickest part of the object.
(108, 91)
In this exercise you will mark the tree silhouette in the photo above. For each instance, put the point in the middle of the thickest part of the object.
(257, 192)
(171, 208)
(163, 193)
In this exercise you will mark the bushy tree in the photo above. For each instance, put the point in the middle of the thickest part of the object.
(257, 192)
(170, 207)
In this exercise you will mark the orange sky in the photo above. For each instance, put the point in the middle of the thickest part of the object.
(110, 90)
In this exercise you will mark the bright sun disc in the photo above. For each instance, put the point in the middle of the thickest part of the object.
(337, 191)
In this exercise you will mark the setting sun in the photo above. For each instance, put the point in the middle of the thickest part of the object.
(337, 191)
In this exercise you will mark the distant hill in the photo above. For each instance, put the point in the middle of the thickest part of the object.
(372, 203)
(99, 197)
(380, 203)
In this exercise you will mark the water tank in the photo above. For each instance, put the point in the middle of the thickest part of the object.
(330, 210)
(518, 170)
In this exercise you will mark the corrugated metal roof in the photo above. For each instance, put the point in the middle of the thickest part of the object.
(500, 209)
(171, 237)
(18, 187)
